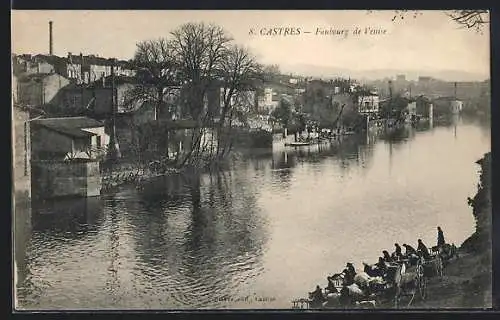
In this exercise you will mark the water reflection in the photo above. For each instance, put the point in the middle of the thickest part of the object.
(50, 227)
(273, 223)
(22, 236)
(68, 218)
(202, 242)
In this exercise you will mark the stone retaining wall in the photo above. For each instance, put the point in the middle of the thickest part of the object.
(52, 179)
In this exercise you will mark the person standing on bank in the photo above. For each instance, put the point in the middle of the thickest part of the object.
(398, 253)
(440, 239)
(422, 250)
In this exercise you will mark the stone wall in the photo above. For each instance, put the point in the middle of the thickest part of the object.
(53, 179)
(21, 153)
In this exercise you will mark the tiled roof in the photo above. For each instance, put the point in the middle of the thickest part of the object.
(49, 59)
(76, 59)
(71, 126)
(119, 79)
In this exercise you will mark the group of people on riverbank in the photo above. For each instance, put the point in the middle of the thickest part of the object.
(379, 270)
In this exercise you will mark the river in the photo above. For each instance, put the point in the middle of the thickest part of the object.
(258, 235)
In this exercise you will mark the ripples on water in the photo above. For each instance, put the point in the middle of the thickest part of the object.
(274, 225)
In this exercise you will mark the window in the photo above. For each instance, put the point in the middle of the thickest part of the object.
(75, 101)
(98, 141)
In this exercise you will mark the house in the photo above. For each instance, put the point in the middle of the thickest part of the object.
(21, 153)
(368, 102)
(67, 138)
(39, 89)
(78, 68)
(412, 108)
(177, 135)
(87, 69)
(29, 64)
(243, 100)
(456, 106)
(268, 101)
(447, 105)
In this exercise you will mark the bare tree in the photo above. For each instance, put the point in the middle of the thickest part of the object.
(239, 74)
(157, 74)
(468, 19)
(199, 49)
(157, 77)
(471, 19)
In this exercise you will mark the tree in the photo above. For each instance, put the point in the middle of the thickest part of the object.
(199, 50)
(157, 74)
(197, 59)
(471, 19)
(270, 72)
(468, 19)
(283, 113)
(239, 74)
(156, 77)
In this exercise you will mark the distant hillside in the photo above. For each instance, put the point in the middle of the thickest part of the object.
(332, 72)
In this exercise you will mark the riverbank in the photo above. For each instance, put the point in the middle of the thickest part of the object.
(467, 280)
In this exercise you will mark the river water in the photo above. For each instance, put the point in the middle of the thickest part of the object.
(257, 235)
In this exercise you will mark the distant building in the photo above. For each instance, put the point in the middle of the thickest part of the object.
(67, 138)
(368, 103)
(401, 78)
(412, 108)
(456, 106)
(39, 89)
(79, 68)
(424, 79)
(97, 97)
(447, 105)
(29, 64)
(299, 91)
(268, 101)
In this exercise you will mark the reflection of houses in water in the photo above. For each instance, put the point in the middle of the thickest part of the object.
(22, 236)
(355, 149)
(49, 224)
(71, 217)
(203, 226)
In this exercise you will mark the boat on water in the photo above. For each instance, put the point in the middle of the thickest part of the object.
(348, 133)
(298, 144)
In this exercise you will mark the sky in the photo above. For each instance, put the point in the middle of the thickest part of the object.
(429, 42)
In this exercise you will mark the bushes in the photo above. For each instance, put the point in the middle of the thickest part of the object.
(481, 209)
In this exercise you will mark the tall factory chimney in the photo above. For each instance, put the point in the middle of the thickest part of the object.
(51, 49)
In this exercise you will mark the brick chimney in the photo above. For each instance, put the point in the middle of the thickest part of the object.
(51, 47)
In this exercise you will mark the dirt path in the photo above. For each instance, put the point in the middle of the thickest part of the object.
(466, 284)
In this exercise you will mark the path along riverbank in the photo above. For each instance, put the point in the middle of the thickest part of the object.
(467, 281)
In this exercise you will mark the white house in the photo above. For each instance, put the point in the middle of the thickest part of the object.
(67, 138)
(412, 108)
(456, 106)
(269, 101)
(368, 103)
